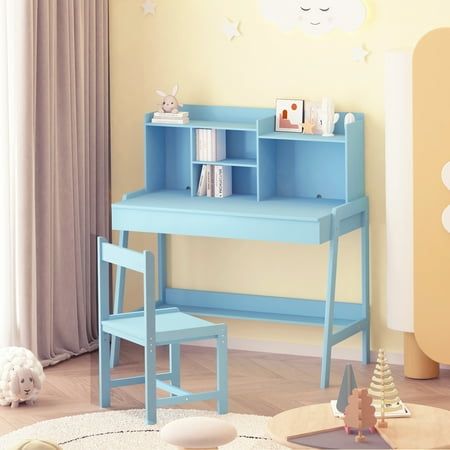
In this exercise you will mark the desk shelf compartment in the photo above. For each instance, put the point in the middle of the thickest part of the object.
(167, 159)
(241, 147)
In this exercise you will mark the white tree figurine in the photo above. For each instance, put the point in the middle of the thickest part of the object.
(382, 389)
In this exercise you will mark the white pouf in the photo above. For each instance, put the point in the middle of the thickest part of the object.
(198, 433)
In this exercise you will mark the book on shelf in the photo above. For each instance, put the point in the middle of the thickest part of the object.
(210, 181)
(200, 154)
(171, 121)
(201, 191)
(181, 117)
(222, 181)
(211, 144)
(178, 115)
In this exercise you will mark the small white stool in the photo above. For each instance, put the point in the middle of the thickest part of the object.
(205, 433)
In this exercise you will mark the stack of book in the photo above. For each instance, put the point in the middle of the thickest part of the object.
(181, 117)
(215, 181)
(211, 144)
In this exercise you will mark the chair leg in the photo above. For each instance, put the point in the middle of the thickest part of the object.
(150, 383)
(174, 357)
(222, 372)
(104, 370)
(118, 299)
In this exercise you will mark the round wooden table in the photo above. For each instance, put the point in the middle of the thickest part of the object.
(427, 428)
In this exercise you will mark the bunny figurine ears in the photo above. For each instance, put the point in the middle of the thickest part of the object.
(169, 103)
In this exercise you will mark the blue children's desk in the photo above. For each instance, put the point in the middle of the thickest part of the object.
(287, 187)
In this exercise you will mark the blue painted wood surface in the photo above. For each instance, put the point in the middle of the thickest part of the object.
(150, 328)
(287, 187)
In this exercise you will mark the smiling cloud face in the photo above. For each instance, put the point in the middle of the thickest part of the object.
(315, 16)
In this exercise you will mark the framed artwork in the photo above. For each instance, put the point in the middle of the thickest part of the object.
(289, 115)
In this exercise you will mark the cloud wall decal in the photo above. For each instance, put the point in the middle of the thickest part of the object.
(315, 17)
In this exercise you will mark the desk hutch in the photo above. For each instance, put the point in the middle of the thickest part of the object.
(287, 187)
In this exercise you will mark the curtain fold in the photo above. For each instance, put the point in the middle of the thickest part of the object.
(65, 155)
(72, 167)
(18, 324)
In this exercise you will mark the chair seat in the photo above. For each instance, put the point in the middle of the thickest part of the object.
(170, 327)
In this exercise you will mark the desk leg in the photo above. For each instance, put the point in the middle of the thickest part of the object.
(365, 287)
(329, 308)
(162, 267)
(118, 299)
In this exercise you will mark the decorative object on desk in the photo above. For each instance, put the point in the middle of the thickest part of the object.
(347, 386)
(359, 413)
(359, 54)
(328, 118)
(149, 7)
(349, 118)
(313, 17)
(21, 376)
(198, 432)
(169, 103)
(312, 115)
(36, 444)
(231, 29)
(289, 115)
(308, 127)
(383, 390)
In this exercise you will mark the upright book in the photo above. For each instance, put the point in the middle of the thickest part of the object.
(222, 181)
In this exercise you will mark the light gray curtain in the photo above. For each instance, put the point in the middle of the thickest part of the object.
(72, 196)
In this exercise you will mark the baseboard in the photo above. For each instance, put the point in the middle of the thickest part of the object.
(286, 348)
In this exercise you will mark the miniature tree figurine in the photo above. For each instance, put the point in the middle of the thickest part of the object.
(360, 414)
(383, 390)
(347, 386)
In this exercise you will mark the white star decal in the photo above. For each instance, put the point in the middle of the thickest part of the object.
(231, 29)
(149, 7)
(359, 54)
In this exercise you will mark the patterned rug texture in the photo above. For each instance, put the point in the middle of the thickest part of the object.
(123, 430)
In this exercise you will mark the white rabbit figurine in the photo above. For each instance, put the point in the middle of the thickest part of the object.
(328, 117)
(170, 103)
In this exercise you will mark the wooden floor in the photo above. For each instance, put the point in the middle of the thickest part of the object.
(260, 383)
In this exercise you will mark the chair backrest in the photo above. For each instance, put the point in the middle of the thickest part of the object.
(107, 254)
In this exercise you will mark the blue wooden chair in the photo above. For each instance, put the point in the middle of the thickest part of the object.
(150, 328)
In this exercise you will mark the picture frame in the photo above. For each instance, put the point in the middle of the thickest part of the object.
(289, 115)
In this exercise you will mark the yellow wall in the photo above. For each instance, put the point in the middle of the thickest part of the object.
(183, 43)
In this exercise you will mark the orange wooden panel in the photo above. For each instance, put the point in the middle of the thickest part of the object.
(431, 102)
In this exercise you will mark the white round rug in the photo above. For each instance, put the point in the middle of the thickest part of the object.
(123, 430)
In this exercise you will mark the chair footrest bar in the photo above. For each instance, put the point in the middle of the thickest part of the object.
(118, 382)
(348, 331)
(164, 376)
(175, 390)
(167, 401)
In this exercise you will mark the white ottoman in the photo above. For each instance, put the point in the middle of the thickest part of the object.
(198, 433)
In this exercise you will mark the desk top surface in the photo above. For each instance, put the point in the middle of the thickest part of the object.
(302, 209)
